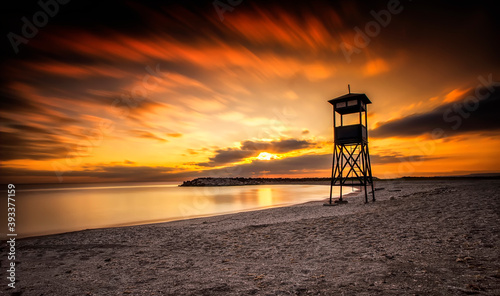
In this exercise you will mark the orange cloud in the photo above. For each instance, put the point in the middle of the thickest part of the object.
(250, 30)
(276, 26)
(375, 67)
(455, 95)
(213, 54)
(174, 135)
(146, 135)
(318, 71)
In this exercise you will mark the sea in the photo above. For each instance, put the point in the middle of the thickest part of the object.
(47, 209)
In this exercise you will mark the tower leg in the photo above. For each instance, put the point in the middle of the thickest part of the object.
(341, 172)
(370, 171)
(333, 176)
(331, 187)
(363, 146)
(333, 167)
(366, 195)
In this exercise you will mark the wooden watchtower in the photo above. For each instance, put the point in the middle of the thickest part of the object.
(351, 158)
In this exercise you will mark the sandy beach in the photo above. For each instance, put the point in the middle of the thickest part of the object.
(418, 238)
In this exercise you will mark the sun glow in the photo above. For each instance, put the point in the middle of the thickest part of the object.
(266, 156)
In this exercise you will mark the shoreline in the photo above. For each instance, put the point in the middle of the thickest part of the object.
(420, 237)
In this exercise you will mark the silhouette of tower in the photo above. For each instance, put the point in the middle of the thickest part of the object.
(351, 158)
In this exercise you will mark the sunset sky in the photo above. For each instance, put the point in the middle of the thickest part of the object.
(114, 91)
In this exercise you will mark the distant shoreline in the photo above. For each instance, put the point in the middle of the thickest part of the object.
(202, 182)
(241, 181)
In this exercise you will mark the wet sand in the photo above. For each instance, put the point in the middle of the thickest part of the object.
(418, 238)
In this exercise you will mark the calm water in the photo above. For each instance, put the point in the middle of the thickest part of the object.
(41, 211)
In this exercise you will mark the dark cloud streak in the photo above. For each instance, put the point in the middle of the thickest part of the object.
(452, 118)
(36, 149)
(146, 135)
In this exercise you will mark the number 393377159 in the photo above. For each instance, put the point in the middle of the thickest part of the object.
(11, 208)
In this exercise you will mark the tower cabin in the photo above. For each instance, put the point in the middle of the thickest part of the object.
(349, 104)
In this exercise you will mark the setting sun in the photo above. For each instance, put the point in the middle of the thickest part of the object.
(266, 156)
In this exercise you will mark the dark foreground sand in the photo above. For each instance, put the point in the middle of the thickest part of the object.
(419, 238)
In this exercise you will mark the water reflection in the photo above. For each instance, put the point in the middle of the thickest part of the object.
(45, 211)
(265, 197)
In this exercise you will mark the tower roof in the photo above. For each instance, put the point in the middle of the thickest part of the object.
(351, 96)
